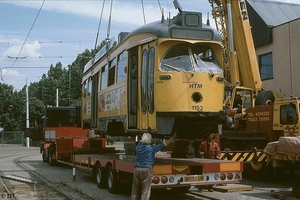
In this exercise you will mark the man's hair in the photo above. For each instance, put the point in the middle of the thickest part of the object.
(146, 138)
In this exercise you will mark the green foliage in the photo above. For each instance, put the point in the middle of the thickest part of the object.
(67, 80)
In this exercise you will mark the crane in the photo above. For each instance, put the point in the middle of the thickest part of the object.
(243, 83)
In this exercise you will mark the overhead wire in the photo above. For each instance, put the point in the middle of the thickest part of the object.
(16, 58)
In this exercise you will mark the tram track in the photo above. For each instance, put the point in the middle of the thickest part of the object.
(46, 178)
(37, 184)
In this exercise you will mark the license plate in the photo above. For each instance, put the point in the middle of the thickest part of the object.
(193, 178)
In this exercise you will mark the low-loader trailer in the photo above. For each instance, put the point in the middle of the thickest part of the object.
(64, 141)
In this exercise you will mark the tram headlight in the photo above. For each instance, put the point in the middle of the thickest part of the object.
(197, 97)
(219, 78)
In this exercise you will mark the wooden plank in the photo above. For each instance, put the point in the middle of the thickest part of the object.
(232, 188)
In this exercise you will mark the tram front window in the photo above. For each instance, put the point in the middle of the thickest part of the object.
(190, 58)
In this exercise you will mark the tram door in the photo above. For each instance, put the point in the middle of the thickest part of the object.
(94, 99)
(132, 87)
(147, 86)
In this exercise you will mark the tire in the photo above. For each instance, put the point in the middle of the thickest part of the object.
(112, 184)
(255, 170)
(264, 98)
(100, 176)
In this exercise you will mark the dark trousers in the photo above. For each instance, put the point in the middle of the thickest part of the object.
(141, 185)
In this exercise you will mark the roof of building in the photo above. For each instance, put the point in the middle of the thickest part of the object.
(275, 13)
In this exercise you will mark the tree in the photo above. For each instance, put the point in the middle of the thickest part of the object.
(42, 93)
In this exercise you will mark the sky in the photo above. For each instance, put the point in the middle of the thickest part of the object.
(35, 34)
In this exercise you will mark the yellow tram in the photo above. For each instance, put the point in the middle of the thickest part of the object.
(163, 77)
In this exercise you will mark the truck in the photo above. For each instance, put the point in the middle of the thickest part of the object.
(65, 141)
(255, 116)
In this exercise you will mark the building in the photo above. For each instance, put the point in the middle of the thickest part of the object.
(276, 35)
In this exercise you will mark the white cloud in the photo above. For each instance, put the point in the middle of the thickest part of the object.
(29, 49)
(123, 11)
(126, 15)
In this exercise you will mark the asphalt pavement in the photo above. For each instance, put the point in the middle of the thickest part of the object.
(32, 159)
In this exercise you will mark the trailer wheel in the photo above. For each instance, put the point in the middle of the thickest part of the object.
(100, 176)
(112, 183)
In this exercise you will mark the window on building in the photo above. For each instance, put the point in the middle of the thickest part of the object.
(266, 66)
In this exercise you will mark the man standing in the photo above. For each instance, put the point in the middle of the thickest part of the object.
(209, 148)
(142, 177)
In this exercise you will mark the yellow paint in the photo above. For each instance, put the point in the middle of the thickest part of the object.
(231, 166)
(162, 169)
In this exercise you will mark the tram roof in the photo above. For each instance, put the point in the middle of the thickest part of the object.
(177, 28)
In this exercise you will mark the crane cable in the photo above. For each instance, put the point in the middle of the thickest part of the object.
(108, 31)
(143, 12)
(16, 58)
(160, 8)
(96, 42)
(109, 22)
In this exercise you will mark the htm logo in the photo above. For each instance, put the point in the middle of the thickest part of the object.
(195, 85)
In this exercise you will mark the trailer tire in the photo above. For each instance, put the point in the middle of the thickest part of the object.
(100, 176)
(112, 184)
(264, 98)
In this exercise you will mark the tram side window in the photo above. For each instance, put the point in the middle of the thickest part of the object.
(111, 72)
(89, 87)
(84, 89)
(121, 66)
(104, 77)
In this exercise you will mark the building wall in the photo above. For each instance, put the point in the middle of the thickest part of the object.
(286, 59)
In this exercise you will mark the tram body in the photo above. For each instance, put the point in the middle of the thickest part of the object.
(163, 77)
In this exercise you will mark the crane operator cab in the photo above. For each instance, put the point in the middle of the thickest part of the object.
(235, 104)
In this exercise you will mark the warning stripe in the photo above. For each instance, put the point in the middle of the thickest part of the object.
(243, 156)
